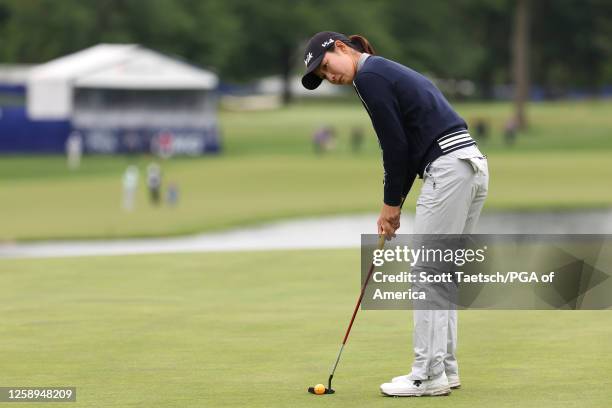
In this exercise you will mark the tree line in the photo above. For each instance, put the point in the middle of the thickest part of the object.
(569, 41)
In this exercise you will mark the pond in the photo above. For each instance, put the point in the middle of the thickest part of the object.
(311, 233)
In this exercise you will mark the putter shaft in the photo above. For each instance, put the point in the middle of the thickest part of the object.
(381, 244)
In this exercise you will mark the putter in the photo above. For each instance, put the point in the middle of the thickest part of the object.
(329, 389)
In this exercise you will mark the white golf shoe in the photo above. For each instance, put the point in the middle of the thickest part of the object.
(417, 388)
(453, 380)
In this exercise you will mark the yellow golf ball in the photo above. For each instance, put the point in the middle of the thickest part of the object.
(319, 389)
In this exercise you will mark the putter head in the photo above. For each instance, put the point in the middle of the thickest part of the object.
(327, 391)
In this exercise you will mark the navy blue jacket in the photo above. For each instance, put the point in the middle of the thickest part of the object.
(414, 123)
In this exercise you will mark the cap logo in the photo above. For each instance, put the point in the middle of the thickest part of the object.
(308, 58)
(326, 43)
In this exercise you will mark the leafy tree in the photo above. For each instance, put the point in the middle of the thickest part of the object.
(244, 39)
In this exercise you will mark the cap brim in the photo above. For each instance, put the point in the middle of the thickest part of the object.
(310, 80)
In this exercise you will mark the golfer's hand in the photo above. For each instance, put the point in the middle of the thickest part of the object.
(389, 220)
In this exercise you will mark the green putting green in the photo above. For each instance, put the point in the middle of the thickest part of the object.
(255, 329)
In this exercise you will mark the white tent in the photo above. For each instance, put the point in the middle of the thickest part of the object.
(50, 86)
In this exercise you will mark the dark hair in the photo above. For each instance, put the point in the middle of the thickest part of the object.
(361, 44)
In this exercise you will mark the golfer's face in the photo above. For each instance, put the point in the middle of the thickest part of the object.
(337, 67)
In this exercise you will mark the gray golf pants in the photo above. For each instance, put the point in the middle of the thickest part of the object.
(453, 193)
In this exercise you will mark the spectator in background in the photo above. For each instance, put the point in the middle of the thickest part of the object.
(154, 182)
(172, 195)
(74, 150)
(130, 186)
(510, 131)
(323, 139)
(356, 139)
(481, 130)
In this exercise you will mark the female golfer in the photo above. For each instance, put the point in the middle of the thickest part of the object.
(420, 135)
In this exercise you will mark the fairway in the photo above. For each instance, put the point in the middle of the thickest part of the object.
(257, 328)
(269, 172)
(553, 126)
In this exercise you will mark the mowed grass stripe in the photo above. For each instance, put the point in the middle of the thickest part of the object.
(235, 191)
(256, 328)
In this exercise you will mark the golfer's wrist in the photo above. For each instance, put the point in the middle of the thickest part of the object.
(390, 210)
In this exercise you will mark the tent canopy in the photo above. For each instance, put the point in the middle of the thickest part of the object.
(110, 66)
